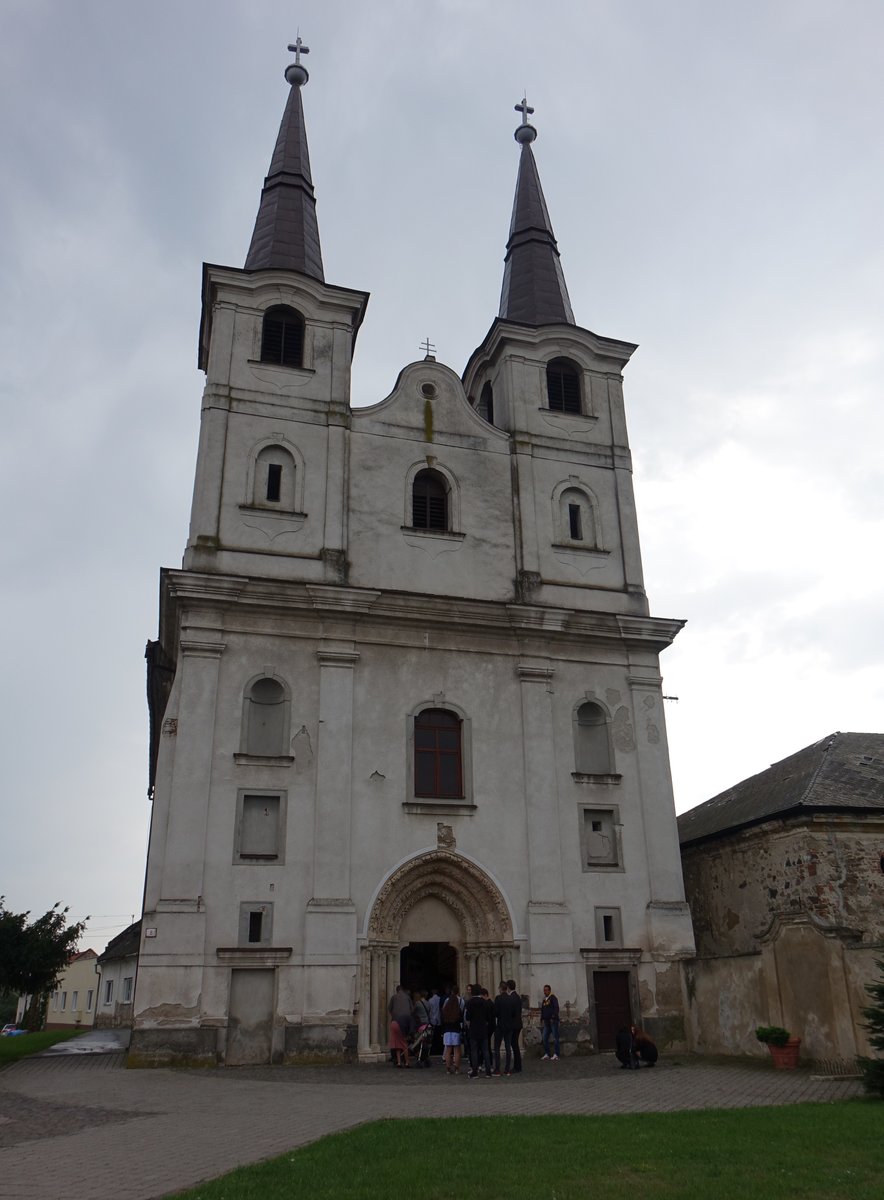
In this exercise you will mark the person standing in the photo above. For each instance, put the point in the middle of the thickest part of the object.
(517, 1032)
(452, 1026)
(507, 1013)
(476, 1018)
(399, 1009)
(434, 1004)
(549, 1023)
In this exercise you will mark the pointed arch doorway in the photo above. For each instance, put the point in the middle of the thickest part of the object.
(436, 915)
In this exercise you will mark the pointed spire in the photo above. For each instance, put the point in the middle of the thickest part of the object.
(534, 290)
(286, 231)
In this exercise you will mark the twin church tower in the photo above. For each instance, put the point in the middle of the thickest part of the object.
(406, 712)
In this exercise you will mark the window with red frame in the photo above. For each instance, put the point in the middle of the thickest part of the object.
(438, 769)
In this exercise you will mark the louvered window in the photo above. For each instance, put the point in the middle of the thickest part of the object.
(438, 771)
(282, 337)
(429, 501)
(563, 386)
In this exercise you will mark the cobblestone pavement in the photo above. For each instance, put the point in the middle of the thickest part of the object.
(84, 1127)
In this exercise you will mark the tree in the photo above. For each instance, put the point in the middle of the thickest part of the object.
(873, 1068)
(33, 956)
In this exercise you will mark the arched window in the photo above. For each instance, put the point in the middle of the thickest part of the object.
(592, 753)
(266, 718)
(438, 759)
(485, 407)
(563, 386)
(274, 483)
(429, 501)
(282, 337)
(577, 519)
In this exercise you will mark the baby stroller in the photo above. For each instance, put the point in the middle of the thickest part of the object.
(420, 1045)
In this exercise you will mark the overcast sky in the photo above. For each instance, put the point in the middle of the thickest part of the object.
(714, 176)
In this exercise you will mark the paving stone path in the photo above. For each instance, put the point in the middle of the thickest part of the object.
(80, 1127)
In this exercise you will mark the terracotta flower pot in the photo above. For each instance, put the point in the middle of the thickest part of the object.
(785, 1058)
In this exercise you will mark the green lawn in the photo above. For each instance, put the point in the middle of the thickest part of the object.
(802, 1151)
(13, 1048)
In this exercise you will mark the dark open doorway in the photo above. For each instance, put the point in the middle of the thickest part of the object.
(612, 1007)
(427, 965)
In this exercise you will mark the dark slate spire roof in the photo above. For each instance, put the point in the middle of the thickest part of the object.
(843, 771)
(286, 232)
(534, 290)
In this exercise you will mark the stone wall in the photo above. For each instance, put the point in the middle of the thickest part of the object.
(788, 922)
(826, 865)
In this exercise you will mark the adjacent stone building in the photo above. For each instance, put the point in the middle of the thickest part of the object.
(406, 701)
(784, 874)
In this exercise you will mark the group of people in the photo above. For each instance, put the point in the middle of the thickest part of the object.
(487, 1030)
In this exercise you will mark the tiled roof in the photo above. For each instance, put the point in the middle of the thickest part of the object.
(286, 231)
(841, 771)
(534, 290)
(124, 945)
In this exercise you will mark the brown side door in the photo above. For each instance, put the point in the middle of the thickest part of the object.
(612, 1009)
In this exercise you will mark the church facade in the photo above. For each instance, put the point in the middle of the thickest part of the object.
(406, 709)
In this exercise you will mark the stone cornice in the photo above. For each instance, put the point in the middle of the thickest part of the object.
(227, 594)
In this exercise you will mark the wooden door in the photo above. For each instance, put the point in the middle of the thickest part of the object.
(612, 1007)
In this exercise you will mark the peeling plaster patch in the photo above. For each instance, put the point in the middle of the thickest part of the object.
(648, 702)
(732, 918)
(169, 1014)
(302, 748)
(613, 697)
(622, 730)
(653, 734)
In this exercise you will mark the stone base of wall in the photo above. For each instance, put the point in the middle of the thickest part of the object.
(173, 1047)
(328, 1043)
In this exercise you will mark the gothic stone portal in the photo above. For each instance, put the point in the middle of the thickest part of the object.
(439, 898)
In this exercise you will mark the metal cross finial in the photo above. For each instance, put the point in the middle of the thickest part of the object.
(299, 48)
(523, 108)
(428, 346)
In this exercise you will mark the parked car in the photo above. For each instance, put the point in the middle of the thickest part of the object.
(12, 1031)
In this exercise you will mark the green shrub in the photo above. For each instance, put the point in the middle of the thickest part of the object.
(772, 1035)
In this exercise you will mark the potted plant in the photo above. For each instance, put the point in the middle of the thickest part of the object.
(782, 1046)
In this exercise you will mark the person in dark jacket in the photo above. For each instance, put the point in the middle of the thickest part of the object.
(549, 1023)
(624, 1050)
(517, 1032)
(508, 1015)
(476, 1018)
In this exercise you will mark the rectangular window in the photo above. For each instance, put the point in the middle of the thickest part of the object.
(64, 1001)
(127, 989)
(260, 827)
(255, 924)
(109, 992)
(574, 523)
(608, 928)
(75, 1001)
(90, 996)
(55, 1001)
(274, 481)
(600, 842)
